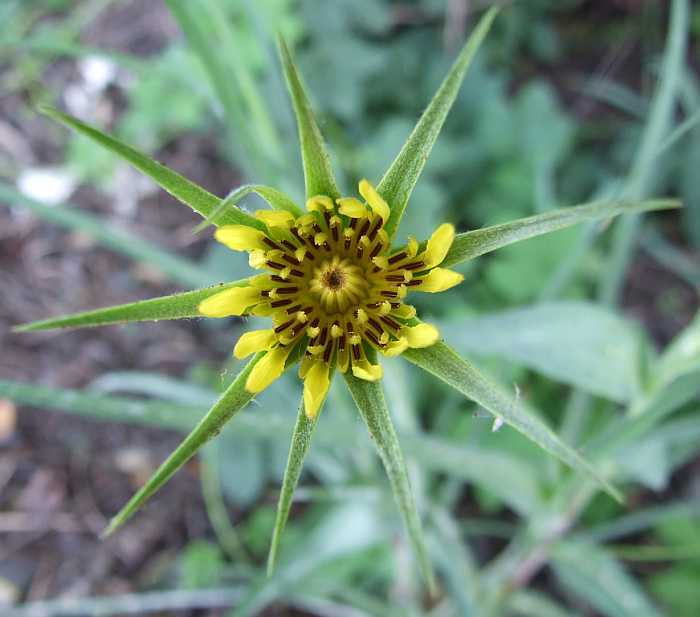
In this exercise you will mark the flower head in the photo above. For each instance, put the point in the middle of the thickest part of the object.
(333, 289)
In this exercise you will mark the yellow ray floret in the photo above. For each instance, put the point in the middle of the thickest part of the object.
(268, 369)
(439, 279)
(241, 237)
(253, 342)
(333, 288)
(233, 301)
(438, 245)
(316, 384)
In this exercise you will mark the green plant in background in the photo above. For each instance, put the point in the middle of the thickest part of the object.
(336, 294)
(630, 410)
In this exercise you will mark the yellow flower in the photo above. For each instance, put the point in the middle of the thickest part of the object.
(333, 289)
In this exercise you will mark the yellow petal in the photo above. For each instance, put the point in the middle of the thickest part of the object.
(439, 279)
(316, 384)
(368, 372)
(438, 245)
(269, 368)
(422, 335)
(257, 259)
(252, 342)
(319, 203)
(405, 311)
(241, 237)
(305, 365)
(354, 208)
(233, 301)
(275, 218)
(396, 348)
(374, 199)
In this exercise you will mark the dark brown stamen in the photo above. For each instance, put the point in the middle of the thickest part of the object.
(284, 326)
(278, 303)
(416, 265)
(271, 244)
(390, 322)
(397, 257)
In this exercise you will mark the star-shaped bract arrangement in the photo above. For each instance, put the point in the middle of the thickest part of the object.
(335, 290)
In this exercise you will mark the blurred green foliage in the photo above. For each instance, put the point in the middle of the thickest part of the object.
(513, 146)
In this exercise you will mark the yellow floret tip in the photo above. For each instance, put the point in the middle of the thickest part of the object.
(233, 301)
(253, 342)
(375, 201)
(438, 245)
(275, 218)
(439, 279)
(422, 335)
(351, 207)
(316, 384)
(241, 237)
(268, 369)
(368, 372)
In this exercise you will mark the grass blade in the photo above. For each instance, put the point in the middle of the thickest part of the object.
(139, 604)
(301, 441)
(480, 241)
(318, 174)
(177, 268)
(443, 362)
(369, 398)
(177, 306)
(255, 142)
(189, 193)
(102, 407)
(230, 402)
(596, 577)
(643, 175)
(398, 181)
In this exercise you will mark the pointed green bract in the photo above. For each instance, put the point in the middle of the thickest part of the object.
(443, 362)
(301, 441)
(276, 199)
(189, 193)
(369, 398)
(475, 243)
(398, 182)
(177, 306)
(230, 402)
(318, 174)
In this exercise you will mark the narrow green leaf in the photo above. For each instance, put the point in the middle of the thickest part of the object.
(369, 398)
(102, 407)
(398, 181)
(301, 441)
(443, 362)
(177, 306)
(176, 268)
(644, 175)
(318, 174)
(138, 604)
(601, 581)
(253, 137)
(230, 402)
(189, 193)
(475, 243)
(276, 199)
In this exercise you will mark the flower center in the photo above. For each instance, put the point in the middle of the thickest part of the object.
(334, 279)
(339, 284)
